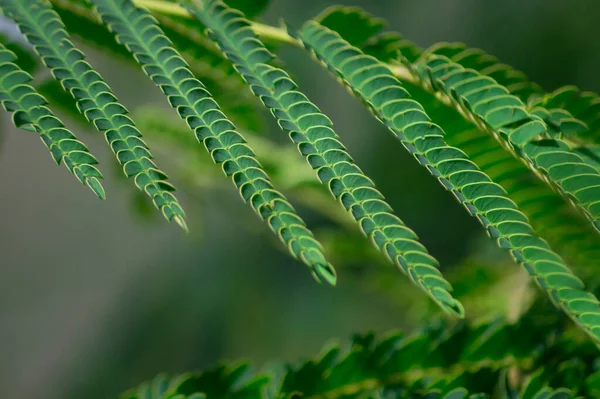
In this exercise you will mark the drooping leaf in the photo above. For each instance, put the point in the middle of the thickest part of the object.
(316, 140)
(30, 112)
(552, 218)
(205, 60)
(376, 86)
(505, 116)
(44, 29)
(138, 31)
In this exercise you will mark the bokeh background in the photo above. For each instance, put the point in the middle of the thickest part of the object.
(96, 297)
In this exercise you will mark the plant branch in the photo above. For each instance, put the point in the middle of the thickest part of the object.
(264, 31)
(281, 35)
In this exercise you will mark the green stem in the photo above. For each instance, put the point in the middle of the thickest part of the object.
(264, 31)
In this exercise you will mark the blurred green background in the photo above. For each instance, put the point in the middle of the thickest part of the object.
(133, 296)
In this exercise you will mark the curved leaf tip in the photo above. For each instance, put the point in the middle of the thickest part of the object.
(179, 220)
(94, 185)
(325, 273)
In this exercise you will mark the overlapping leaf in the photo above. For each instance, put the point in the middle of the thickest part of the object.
(505, 116)
(204, 58)
(45, 31)
(316, 140)
(552, 218)
(390, 102)
(30, 112)
(137, 30)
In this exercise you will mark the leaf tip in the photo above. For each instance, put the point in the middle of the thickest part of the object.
(181, 222)
(325, 273)
(94, 185)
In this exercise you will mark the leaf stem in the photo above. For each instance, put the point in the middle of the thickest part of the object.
(264, 31)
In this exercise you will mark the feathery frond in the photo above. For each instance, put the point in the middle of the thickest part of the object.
(517, 84)
(205, 60)
(363, 30)
(30, 112)
(316, 140)
(524, 163)
(582, 105)
(505, 116)
(515, 81)
(45, 31)
(391, 103)
(138, 31)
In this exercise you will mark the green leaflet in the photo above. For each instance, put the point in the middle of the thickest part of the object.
(552, 218)
(516, 82)
(224, 382)
(216, 72)
(582, 105)
(206, 61)
(31, 113)
(549, 215)
(44, 30)
(27, 60)
(537, 388)
(363, 30)
(316, 140)
(376, 86)
(436, 355)
(440, 357)
(506, 117)
(137, 30)
(566, 112)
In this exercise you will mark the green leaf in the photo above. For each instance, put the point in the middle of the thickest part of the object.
(44, 29)
(376, 86)
(204, 58)
(136, 29)
(515, 81)
(26, 59)
(584, 107)
(31, 113)
(317, 141)
(364, 31)
(553, 219)
(506, 117)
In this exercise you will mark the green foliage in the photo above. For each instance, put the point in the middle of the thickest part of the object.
(30, 113)
(312, 132)
(524, 163)
(44, 30)
(136, 29)
(374, 84)
(442, 359)
(491, 107)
